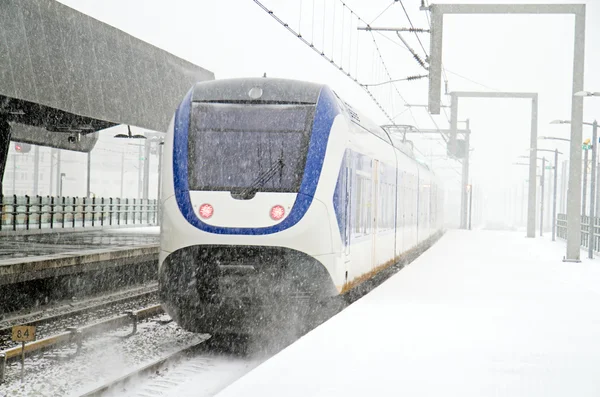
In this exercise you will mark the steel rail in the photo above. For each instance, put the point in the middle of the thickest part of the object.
(22, 320)
(149, 368)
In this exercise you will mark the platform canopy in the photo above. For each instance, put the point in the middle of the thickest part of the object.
(65, 75)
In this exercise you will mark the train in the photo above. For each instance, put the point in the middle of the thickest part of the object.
(277, 191)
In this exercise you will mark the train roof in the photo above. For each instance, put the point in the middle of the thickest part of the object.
(366, 123)
(244, 89)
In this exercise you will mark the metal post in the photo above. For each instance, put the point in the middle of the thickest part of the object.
(58, 153)
(36, 170)
(555, 190)
(435, 64)
(592, 221)
(453, 124)
(542, 196)
(574, 192)
(465, 181)
(22, 362)
(89, 173)
(2, 366)
(158, 198)
(585, 178)
(145, 185)
(532, 169)
(470, 205)
(51, 190)
(597, 209)
(14, 175)
(139, 184)
(563, 187)
(122, 171)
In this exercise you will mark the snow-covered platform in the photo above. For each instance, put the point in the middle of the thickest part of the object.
(26, 257)
(481, 313)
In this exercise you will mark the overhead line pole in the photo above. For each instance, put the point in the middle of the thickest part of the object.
(465, 181)
(593, 187)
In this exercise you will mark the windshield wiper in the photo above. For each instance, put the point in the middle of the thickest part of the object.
(263, 178)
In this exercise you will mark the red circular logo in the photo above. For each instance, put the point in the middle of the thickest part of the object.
(277, 212)
(206, 211)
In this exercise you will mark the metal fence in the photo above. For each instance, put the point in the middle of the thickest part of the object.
(561, 230)
(25, 212)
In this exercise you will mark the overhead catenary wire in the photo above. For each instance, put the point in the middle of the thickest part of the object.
(382, 12)
(390, 77)
(409, 78)
(472, 81)
(413, 26)
(331, 58)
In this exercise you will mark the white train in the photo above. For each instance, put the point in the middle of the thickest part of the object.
(276, 191)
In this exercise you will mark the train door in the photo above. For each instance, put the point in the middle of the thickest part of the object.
(348, 223)
(374, 207)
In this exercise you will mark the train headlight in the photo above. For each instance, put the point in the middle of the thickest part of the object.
(277, 212)
(255, 92)
(206, 211)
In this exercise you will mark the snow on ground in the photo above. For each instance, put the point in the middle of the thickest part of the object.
(481, 313)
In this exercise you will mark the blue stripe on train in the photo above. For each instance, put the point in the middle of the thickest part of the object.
(326, 111)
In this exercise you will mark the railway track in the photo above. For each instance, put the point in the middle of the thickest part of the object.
(72, 315)
(77, 335)
(199, 369)
(153, 367)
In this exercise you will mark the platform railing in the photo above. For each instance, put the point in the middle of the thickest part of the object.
(561, 230)
(39, 212)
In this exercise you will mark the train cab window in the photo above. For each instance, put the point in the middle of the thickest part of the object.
(236, 146)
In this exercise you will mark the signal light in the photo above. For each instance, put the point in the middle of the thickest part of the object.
(277, 212)
(22, 147)
(206, 211)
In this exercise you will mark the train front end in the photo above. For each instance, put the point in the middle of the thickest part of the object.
(244, 236)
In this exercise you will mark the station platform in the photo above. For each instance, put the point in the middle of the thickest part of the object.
(26, 257)
(481, 313)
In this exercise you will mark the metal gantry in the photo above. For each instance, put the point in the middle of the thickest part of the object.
(435, 79)
(454, 104)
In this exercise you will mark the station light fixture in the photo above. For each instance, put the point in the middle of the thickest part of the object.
(129, 135)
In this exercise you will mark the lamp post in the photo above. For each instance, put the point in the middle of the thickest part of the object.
(587, 93)
(555, 183)
(594, 146)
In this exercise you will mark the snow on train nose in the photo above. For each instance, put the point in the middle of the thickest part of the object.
(221, 209)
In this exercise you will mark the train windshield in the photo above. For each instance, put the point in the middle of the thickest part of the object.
(248, 147)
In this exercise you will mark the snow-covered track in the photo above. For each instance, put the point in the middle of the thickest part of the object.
(145, 370)
(77, 335)
(50, 321)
